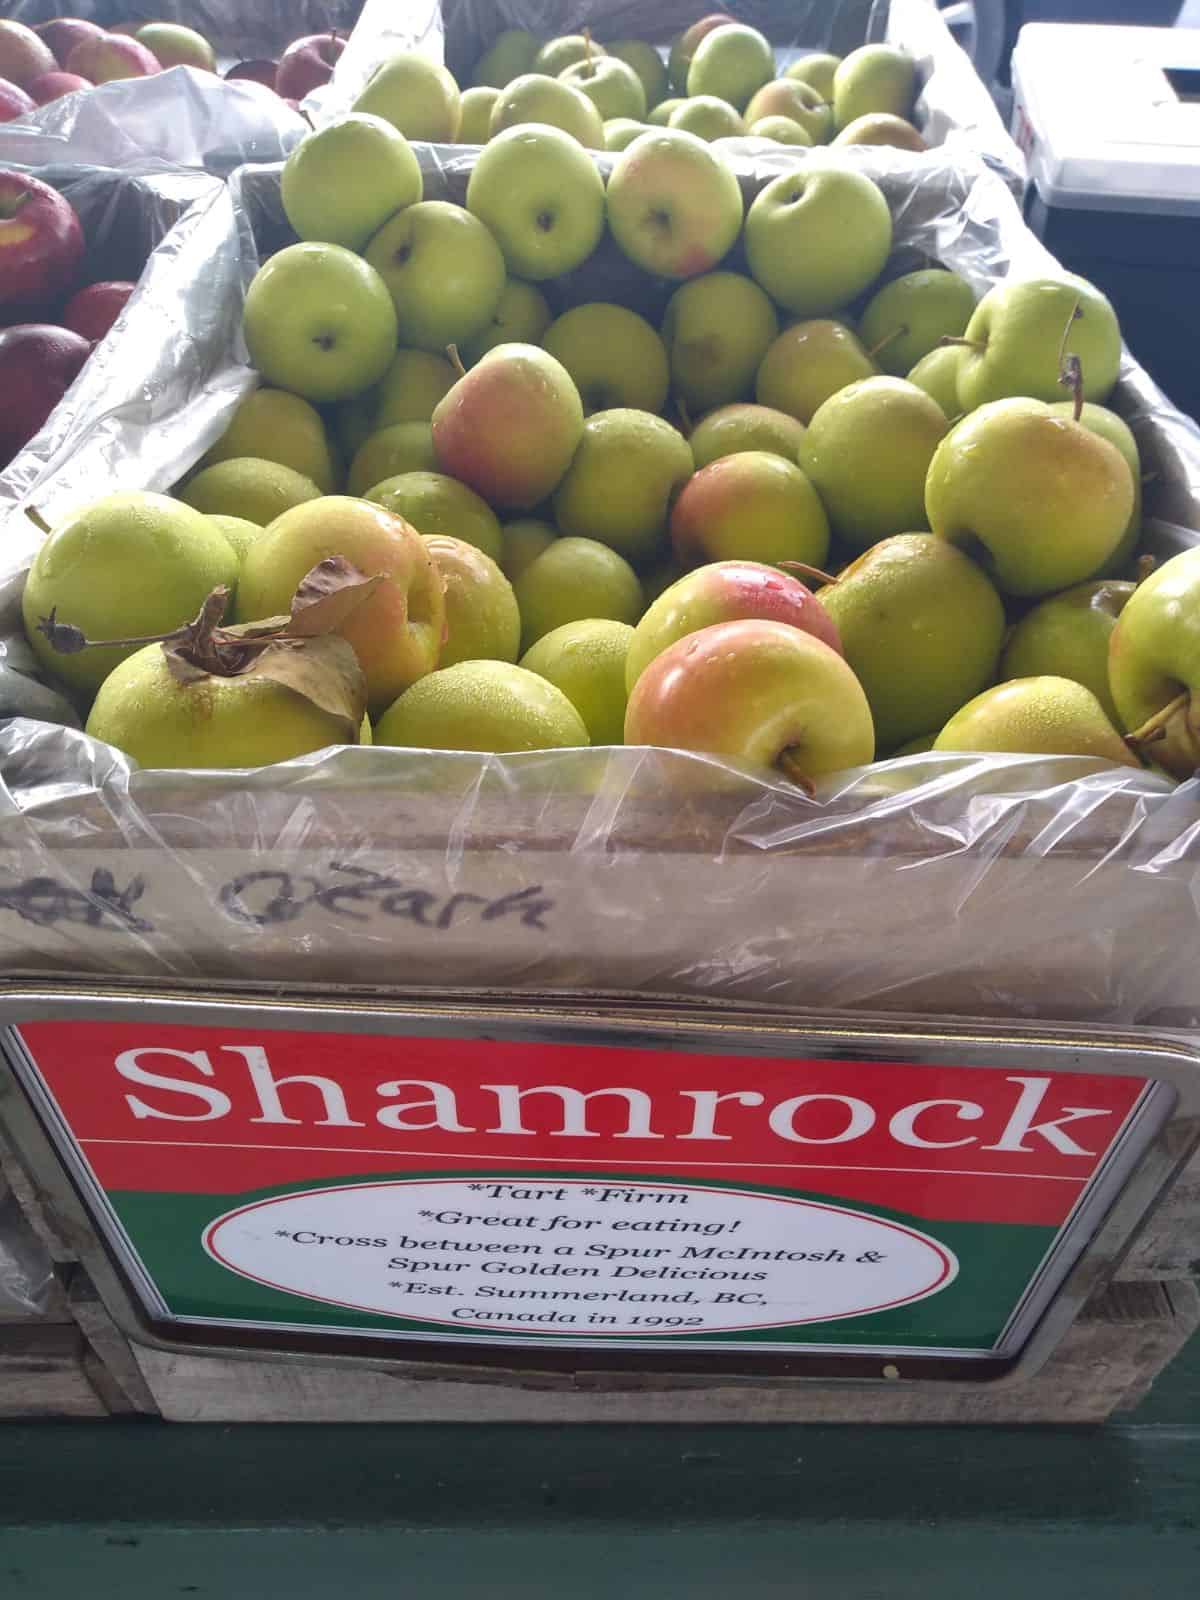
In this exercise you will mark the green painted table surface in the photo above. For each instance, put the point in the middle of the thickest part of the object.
(141, 1510)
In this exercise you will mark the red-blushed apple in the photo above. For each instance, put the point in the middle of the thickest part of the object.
(674, 204)
(308, 63)
(23, 56)
(62, 34)
(753, 506)
(725, 591)
(92, 312)
(110, 57)
(41, 242)
(54, 85)
(38, 364)
(14, 102)
(683, 48)
(758, 692)
(260, 70)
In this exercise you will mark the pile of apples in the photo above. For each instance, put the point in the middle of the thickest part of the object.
(470, 509)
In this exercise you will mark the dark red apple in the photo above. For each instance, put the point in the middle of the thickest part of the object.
(41, 242)
(308, 63)
(92, 312)
(257, 71)
(14, 102)
(53, 85)
(62, 34)
(38, 364)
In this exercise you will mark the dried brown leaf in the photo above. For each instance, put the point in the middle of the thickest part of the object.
(324, 670)
(332, 591)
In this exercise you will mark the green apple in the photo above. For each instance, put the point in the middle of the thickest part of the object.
(731, 62)
(1154, 665)
(1067, 636)
(240, 533)
(877, 77)
(757, 692)
(908, 318)
(475, 123)
(320, 322)
(753, 506)
(175, 46)
(571, 581)
(807, 363)
(612, 86)
(556, 55)
(1098, 419)
(523, 542)
(1044, 716)
(521, 317)
(780, 130)
(510, 54)
(799, 102)
(921, 626)
(410, 389)
(490, 706)
(343, 182)
(937, 374)
(443, 270)
(817, 237)
(647, 63)
(550, 102)
(276, 426)
(245, 487)
(621, 131)
(660, 115)
(674, 206)
(400, 447)
(586, 660)
(730, 430)
(127, 566)
(435, 504)
(1021, 333)
(614, 356)
(619, 487)
(817, 70)
(1040, 501)
(707, 117)
(867, 451)
(510, 426)
(542, 197)
(881, 129)
(482, 620)
(717, 328)
(416, 95)
(683, 47)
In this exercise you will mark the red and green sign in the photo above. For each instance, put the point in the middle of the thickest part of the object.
(574, 1194)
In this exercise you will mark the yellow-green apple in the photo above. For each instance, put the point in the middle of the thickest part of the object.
(816, 69)
(276, 426)
(620, 485)
(621, 131)
(38, 364)
(867, 451)
(509, 55)
(435, 504)
(397, 632)
(41, 244)
(475, 115)
(245, 486)
(586, 661)
(128, 566)
(1021, 334)
(490, 706)
(443, 270)
(807, 363)
(53, 86)
(1099, 419)
(509, 427)
(1040, 501)
(881, 129)
(399, 448)
(647, 63)
(320, 322)
(522, 316)
(683, 47)
(62, 34)
(410, 389)
(110, 57)
(1067, 636)
(614, 357)
(732, 62)
(91, 312)
(23, 56)
(172, 45)
(414, 94)
(260, 69)
(482, 620)
(876, 77)
(921, 626)
(799, 102)
(817, 237)
(717, 328)
(660, 115)
(780, 130)
(674, 206)
(753, 506)
(730, 430)
(612, 86)
(307, 63)
(542, 197)
(239, 533)
(524, 540)
(758, 692)
(708, 117)
(725, 591)
(16, 103)
(572, 580)
(1044, 716)
(549, 102)
(908, 318)
(556, 55)
(1154, 665)
(937, 374)
(343, 182)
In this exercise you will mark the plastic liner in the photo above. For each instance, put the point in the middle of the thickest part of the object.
(26, 1273)
(988, 886)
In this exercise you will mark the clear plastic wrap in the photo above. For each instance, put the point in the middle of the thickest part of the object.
(989, 886)
(26, 1271)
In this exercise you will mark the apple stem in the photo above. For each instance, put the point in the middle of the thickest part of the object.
(948, 339)
(305, 117)
(456, 360)
(1145, 566)
(38, 520)
(587, 45)
(808, 572)
(1155, 728)
(888, 338)
(1070, 368)
(789, 765)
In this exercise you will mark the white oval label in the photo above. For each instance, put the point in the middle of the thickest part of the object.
(579, 1258)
